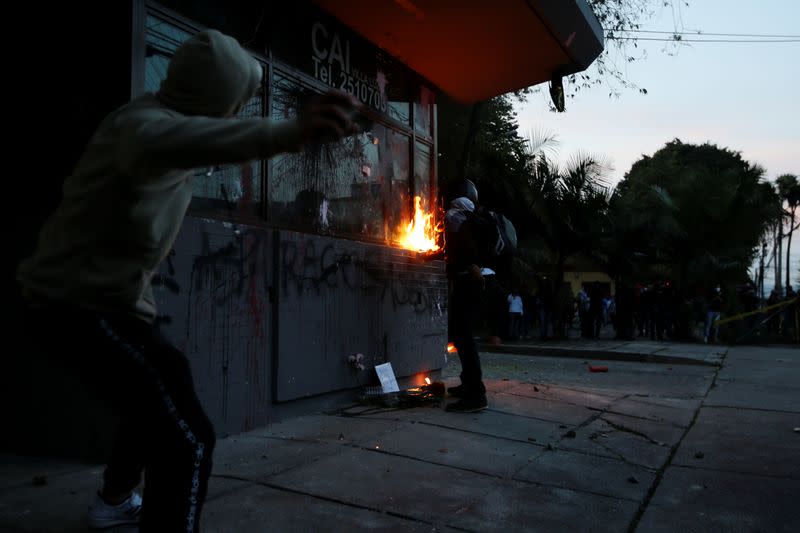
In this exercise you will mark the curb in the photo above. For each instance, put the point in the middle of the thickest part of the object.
(609, 355)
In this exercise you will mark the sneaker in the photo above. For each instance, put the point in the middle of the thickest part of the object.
(459, 391)
(103, 515)
(468, 405)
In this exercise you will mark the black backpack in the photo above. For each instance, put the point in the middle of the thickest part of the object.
(496, 236)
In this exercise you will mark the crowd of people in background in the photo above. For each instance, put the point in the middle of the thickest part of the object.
(655, 311)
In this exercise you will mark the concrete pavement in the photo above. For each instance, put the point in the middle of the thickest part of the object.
(643, 447)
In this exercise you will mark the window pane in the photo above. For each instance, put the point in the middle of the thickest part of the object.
(400, 111)
(230, 189)
(396, 161)
(346, 188)
(423, 112)
(422, 172)
(162, 41)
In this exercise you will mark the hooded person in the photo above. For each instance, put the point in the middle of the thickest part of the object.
(467, 284)
(87, 285)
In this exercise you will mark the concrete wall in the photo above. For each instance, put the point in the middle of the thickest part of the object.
(270, 316)
(339, 297)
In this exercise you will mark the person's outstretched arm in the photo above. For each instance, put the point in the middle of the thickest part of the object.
(188, 142)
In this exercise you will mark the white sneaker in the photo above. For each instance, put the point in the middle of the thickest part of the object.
(102, 515)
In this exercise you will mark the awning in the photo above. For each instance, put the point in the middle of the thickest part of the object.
(476, 49)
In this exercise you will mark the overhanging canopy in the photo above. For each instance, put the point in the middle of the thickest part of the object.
(476, 49)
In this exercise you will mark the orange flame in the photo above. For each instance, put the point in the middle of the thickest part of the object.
(419, 234)
(451, 348)
(427, 381)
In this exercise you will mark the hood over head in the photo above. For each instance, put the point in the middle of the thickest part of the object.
(456, 215)
(210, 75)
(462, 204)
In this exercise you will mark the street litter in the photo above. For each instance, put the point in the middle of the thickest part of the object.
(413, 397)
(598, 368)
(389, 394)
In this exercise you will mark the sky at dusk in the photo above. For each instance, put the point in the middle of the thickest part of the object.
(744, 96)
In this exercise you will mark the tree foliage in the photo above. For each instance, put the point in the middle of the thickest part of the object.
(564, 207)
(496, 155)
(697, 211)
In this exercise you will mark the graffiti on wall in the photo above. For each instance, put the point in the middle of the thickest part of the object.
(314, 265)
(236, 269)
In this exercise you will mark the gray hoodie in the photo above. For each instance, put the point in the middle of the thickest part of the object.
(124, 203)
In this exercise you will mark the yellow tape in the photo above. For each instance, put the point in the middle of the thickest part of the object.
(757, 311)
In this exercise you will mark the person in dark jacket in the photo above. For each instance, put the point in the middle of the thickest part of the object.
(466, 277)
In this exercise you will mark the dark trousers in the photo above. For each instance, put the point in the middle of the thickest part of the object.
(545, 318)
(163, 428)
(462, 309)
(514, 325)
(586, 326)
(656, 325)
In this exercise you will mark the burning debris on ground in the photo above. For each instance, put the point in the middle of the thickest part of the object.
(431, 393)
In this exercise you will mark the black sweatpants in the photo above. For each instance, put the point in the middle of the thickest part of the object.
(163, 429)
(462, 310)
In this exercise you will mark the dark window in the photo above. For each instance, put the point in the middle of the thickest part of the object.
(362, 187)
(422, 173)
(162, 41)
(355, 187)
(423, 112)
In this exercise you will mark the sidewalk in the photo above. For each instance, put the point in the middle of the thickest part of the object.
(644, 447)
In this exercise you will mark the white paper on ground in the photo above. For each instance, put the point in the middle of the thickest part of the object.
(386, 375)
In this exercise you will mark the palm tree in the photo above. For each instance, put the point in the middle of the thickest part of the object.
(789, 191)
(564, 207)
